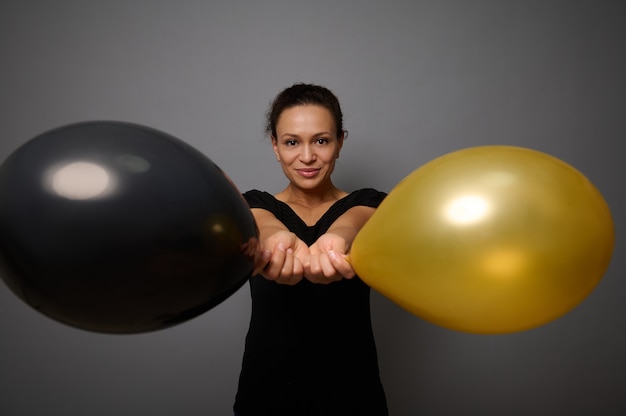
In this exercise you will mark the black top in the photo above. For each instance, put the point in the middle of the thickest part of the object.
(310, 348)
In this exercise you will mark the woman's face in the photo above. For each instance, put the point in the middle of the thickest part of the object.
(307, 145)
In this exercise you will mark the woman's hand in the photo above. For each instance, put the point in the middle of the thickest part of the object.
(327, 261)
(288, 255)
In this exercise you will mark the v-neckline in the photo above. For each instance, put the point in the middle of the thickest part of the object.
(324, 215)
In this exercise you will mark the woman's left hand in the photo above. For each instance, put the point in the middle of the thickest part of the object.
(328, 260)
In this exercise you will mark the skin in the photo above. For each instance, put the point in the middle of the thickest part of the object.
(307, 146)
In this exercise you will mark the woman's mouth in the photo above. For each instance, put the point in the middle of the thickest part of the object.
(308, 172)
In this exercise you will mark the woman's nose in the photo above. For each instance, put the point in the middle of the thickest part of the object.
(308, 154)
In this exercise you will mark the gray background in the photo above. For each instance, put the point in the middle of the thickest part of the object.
(417, 79)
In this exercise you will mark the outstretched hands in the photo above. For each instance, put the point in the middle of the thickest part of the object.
(286, 259)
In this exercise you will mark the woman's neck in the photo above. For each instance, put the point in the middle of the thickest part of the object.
(310, 206)
(310, 198)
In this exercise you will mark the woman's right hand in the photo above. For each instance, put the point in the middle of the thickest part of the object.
(289, 254)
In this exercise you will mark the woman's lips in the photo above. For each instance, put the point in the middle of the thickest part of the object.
(307, 172)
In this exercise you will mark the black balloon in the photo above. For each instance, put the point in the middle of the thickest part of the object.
(119, 228)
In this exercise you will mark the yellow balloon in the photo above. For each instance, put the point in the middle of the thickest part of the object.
(489, 240)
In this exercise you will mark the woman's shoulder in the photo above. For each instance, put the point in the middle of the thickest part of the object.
(259, 199)
(369, 197)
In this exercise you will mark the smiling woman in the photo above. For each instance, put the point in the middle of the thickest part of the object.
(306, 145)
(310, 348)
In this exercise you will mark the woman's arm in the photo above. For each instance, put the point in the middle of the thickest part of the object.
(350, 223)
(283, 253)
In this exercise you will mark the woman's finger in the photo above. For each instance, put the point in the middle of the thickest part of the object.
(341, 264)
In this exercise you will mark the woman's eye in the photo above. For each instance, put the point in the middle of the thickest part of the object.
(290, 142)
(322, 140)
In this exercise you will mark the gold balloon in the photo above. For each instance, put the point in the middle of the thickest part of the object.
(489, 240)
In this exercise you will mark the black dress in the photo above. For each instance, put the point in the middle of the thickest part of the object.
(310, 348)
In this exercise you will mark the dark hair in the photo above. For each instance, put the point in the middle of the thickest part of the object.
(304, 94)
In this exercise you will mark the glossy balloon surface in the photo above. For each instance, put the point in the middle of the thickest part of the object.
(492, 239)
(119, 228)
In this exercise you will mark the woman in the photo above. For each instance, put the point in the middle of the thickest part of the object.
(310, 348)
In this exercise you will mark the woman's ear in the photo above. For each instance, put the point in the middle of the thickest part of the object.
(341, 138)
(275, 147)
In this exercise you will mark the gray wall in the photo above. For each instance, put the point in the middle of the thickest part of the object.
(417, 79)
